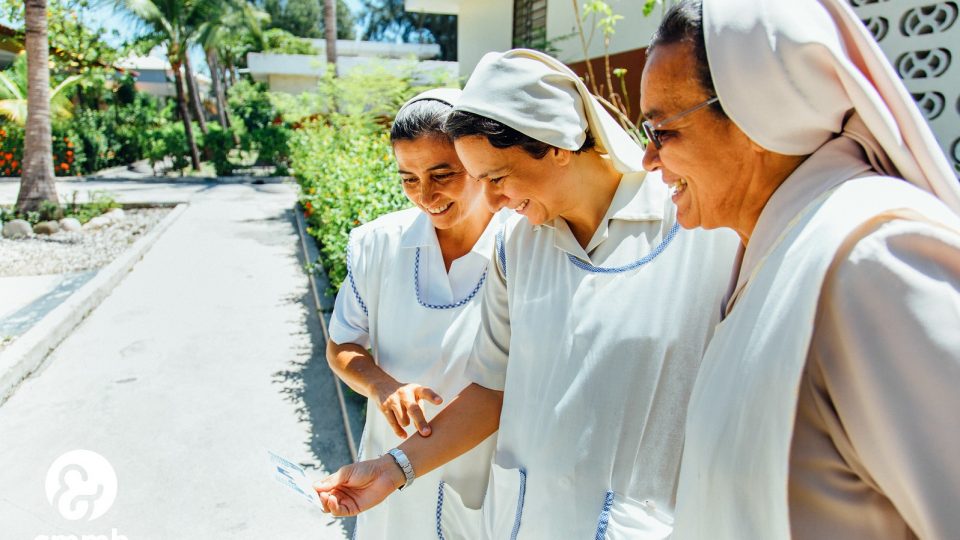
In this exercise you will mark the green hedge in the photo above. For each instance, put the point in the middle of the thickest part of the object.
(348, 177)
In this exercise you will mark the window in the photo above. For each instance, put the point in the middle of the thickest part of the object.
(530, 24)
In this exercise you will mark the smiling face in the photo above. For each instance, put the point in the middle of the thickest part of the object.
(704, 156)
(514, 179)
(436, 182)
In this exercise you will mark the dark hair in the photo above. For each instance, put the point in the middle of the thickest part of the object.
(683, 23)
(424, 118)
(465, 124)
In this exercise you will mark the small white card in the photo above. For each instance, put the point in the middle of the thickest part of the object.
(293, 477)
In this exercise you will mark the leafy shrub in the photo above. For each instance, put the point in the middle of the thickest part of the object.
(282, 42)
(11, 149)
(170, 140)
(68, 158)
(347, 175)
(249, 102)
(218, 143)
(273, 142)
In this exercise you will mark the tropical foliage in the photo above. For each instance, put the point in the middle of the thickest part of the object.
(304, 18)
(13, 93)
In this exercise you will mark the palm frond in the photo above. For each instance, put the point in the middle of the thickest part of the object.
(11, 89)
(15, 110)
(64, 86)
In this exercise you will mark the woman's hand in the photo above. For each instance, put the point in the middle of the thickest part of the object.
(400, 403)
(360, 486)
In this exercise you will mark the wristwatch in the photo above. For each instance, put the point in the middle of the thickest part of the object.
(404, 464)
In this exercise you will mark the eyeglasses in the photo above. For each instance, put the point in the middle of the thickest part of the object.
(653, 132)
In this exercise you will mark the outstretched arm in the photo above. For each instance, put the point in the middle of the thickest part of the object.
(469, 419)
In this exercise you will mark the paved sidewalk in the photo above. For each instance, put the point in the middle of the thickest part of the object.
(206, 355)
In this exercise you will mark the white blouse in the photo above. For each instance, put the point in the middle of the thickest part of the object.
(596, 350)
(418, 334)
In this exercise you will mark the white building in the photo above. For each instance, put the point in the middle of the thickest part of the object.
(297, 73)
(154, 76)
(920, 38)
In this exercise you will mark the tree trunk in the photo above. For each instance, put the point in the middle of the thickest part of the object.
(330, 31)
(217, 88)
(37, 182)
(194, 91)
(185, 115)
(233, 77)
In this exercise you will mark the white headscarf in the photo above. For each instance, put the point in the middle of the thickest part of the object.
(449, 96)
(794, 74)
(542, 98)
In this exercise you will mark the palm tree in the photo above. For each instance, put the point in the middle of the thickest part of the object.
(193, 91)
(37, 181)
(169, 20)
(330, 31)
(13, 94)
(223, 21)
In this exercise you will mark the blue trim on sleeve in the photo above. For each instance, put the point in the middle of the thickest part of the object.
(501, 251)
(604, 519)
(353, 284)
(440, 511)
(523, 491)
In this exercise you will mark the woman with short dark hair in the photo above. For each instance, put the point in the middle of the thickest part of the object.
(408, 312)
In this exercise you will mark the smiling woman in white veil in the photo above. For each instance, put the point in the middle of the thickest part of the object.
(826, 405)
(594, 318)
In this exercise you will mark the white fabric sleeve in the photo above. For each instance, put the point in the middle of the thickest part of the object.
(890, 331)
(487, 365)
(350, 320)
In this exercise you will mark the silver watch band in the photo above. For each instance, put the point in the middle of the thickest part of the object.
(404, 463)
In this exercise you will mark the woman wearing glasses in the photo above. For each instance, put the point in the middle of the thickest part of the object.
(595, 315)
(412, 296)
(826, 405)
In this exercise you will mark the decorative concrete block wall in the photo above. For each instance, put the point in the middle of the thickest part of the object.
(922, 40)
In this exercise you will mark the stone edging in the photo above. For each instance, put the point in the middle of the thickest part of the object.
(29, 351)
(310, 255)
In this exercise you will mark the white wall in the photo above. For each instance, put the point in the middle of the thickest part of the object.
(482, 26)
(297, 73)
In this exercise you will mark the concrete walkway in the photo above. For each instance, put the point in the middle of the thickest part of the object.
(206, 355)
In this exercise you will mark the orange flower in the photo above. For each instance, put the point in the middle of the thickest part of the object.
(14, 164)
(64, 166)
(69, 153)
(9, 155)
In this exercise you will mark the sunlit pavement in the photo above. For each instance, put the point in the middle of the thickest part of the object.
(204, 356)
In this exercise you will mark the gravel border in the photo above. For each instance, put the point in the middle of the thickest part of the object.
(66, 252)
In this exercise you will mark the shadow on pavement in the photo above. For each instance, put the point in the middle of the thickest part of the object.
(311, 386)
